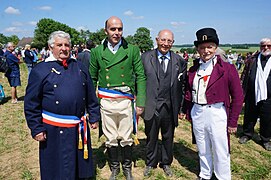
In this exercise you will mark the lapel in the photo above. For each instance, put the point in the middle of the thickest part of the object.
(217, 72)
(192, 72)
(154, 62)
(112, 59)
(174, 67)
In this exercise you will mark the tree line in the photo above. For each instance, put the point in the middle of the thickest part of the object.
(46, 26)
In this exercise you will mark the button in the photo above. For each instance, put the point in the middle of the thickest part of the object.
(108, 85)
(55, 85)
(107, 69)
(61, 132)
(84, 84)
(57, 102)
(123, 83)
(84, 99)
(107, 77)
(122, 75)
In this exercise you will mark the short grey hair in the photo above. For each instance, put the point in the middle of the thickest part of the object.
(265, 40)
(60, 34)
(9, 44)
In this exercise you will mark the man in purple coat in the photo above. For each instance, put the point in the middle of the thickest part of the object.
(214, 101)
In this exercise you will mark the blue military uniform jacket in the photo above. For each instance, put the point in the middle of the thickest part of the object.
(64, 91)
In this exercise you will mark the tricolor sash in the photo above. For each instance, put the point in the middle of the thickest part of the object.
(109, 93)
(69, 121)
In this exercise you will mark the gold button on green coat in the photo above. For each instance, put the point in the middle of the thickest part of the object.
(126, 63)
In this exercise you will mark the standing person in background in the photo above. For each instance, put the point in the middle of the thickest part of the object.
(117, 70)
(58, 94)
(256, 79)
(84, 56)
(13, 74)
(28, 58)
(165, 72)
(185, 56)
(1, 50)
(214, 101)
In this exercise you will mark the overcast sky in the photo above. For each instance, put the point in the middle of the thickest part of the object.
(236, 21)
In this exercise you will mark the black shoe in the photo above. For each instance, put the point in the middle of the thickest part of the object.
(148, 170)
(167, 170)
(267, 146)
(244, 139)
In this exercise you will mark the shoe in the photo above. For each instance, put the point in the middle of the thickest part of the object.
(14, 101)
(244, 139)
(167, 170)
(267, 146)
(148, 170)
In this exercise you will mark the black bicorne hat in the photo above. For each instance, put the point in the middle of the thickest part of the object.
(206, 35)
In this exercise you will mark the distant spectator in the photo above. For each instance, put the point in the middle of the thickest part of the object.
(185, 56)
(43, 54)
(35, 54)
(230, 57)
(29, 57)
(1, 50)
(14, 74)
(84, 56)
(239, 61)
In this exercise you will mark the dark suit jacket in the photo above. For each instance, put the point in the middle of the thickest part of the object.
(179, 68)
(248, 81)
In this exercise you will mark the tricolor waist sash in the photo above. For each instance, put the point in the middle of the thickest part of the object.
(109, 93)
(69, 121)
(59, 120)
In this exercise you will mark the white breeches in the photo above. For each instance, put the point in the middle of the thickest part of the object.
(210, 130)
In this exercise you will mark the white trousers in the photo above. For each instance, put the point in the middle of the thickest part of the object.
(210, 130)
(117, 121)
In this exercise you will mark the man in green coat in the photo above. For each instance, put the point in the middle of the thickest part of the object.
(117, 70)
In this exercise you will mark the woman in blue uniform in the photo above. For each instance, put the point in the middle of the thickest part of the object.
(58, 95)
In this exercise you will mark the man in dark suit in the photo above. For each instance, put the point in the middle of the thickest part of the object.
(256, 79)
(84, 56)
(165, 72)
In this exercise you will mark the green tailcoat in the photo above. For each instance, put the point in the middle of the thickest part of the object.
(121, 69)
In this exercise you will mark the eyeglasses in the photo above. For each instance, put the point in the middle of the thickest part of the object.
(167, 40)
(264, 45)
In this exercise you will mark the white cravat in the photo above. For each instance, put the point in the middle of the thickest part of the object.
(261, 80)
(201, 80)
(115, 48)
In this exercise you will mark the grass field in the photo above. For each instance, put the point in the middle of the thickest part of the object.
(19, 152)
(226, 49)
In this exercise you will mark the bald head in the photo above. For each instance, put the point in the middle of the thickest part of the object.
(164, 40)
(166, 32)
(112, 19)
(113, 30)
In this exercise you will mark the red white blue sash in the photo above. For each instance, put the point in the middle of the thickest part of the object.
(59, 120)
(108, 93)
(69, 121)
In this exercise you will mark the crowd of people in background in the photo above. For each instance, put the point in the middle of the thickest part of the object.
(209, 93)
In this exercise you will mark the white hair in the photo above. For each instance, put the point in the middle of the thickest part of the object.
(9, 44)
(60, 34)
(265, 40)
